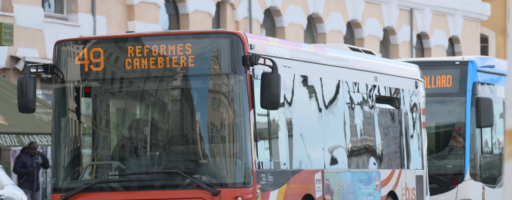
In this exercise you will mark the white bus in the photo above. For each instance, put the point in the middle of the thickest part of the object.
(465, 110)
(347, 117)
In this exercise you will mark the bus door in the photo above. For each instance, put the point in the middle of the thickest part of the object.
(489, 137)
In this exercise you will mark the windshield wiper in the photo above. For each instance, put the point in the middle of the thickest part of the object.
(153, 172)
(198, 182)
(80, 189)
(201, 184)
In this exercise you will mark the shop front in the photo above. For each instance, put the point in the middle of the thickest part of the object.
(17, 130)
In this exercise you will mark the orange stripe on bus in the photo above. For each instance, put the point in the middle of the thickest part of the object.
(386, 181)
(397, 181)
(281, 192)
(301, 188)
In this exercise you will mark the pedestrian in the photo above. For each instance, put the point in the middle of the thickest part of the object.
(27, 166)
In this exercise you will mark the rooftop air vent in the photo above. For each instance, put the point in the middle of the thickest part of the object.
(367, 51)
(361, 50)
(346, 47)
(355, 49)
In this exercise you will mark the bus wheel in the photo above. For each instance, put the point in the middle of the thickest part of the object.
(391, 196)
(309, 197)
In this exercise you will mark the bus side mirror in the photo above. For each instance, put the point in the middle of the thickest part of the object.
(270, 89)
(27, 92)
(484, 112)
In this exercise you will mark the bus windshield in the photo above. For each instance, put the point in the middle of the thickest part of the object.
(135, 105)
(445, 119)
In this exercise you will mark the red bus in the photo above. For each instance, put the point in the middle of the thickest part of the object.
(201, 115)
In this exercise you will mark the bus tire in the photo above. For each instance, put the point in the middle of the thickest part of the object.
(391, 196)
(308, 197)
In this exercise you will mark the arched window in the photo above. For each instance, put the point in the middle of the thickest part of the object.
(172, 20)
(451, 48)
(216, 18)
(268, 28)
(310, 32)
(484, 45)
(349, 35)
(419, 47)
(384, 45)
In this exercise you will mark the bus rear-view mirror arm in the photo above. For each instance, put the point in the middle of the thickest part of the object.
(270, 96)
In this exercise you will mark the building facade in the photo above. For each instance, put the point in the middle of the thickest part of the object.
(391, 28)
(439, 28)
(493, 31)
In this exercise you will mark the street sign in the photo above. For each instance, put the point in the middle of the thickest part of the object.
(6, 34)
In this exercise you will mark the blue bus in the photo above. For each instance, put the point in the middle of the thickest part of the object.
(465, 124)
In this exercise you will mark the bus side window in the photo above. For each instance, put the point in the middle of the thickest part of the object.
(362, 131)
(389, 120)
(270, 128)
(314, 115)
(486, 140)
(412, 129)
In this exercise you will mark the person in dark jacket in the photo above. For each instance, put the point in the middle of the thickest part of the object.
(27, 166)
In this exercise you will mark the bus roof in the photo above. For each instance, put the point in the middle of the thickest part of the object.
(319, 54)
(152, 33)
(300, 51)
(483, 63)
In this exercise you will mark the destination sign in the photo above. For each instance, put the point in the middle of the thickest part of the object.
(110, 59)
(175, 55)
(441, 80)
(141, 57)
